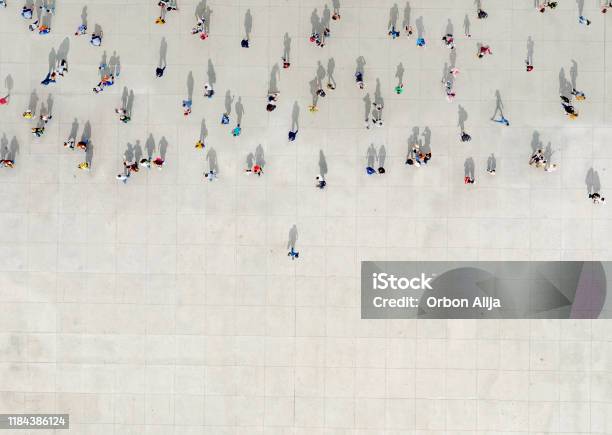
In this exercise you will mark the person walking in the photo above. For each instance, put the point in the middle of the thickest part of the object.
(96, 39)
(321, 183)
(293, 253)
(187, 107)
(501, 120)
(208, 90)
(484, 50)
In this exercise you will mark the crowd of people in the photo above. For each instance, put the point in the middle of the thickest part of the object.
(42, 13)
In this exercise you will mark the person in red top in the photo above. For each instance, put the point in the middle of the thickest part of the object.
(256, 169)
(484, 49)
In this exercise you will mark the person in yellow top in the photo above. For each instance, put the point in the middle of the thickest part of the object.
(199, 144)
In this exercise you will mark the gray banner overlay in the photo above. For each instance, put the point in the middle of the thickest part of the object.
(34, 421)
(485, 290)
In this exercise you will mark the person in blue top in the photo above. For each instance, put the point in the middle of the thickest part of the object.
(293, 253)
(81, 30)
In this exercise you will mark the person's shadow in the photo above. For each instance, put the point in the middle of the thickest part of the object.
(13, 149)
(3, 147)
(229, 100)
(86, 135)
(536, 143)
(33, 101)
(293, 236)
(592, 181)
(150, 146)
(426, 140)
(248, 24)
(322, 164)
(491, 163)
(371, 156)
(325, 17)
(259, 156)
(367, 101)
(8, 83)
(104, 68)
(137, 151)
(130, 103)
(530, 47)
(499, 105)
(129, 153)
(450, 29)
(295, 117)
(320, 73)
(163, 53)
(274, 75)
(114, 64)
(239, 110)
(84, 16)
(467, 25)
(399, 74)
(52, 59)
(468, 167)
(8, 152)
(548, 152)
(407, 11)
(420, 27)
(315, 21)
(565, 87)
(212, 75)
(203, 130)
(89, 153)
(378, 99)
(74, 128)
(360, 64)
(393, 17)
(211, 156)
(287, 47)
(462, 117)
(574, 74)
(382, 156)
(50, 103)
(163, 147)
(314, 87)
(190, 84)
(331, 67)
(414, 137)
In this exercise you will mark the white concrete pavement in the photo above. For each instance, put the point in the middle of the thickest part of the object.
(168, 305)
